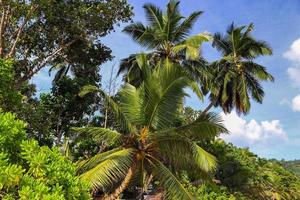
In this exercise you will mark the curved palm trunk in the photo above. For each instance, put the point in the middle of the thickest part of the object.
(208, 108)
(123, 185)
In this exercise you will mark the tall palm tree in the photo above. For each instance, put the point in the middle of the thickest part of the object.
(167, 36)
(237, 76)
(149, 147)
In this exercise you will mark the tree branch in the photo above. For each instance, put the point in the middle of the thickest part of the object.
(42, 64)
(5, 13)
(20, 29)
(2, 28)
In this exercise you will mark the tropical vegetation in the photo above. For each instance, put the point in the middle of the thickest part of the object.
(149, 143)
(138, 140)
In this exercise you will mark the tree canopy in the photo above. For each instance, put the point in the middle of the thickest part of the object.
(57, 33)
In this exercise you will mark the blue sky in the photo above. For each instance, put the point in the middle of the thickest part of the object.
(272, 129)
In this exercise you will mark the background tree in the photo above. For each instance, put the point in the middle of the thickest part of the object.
(63, 108)
(57, 33)
(10, 99)
(240, 170)
(167, 36)
(237, 76)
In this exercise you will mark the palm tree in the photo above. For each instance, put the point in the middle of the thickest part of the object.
(149, 147)
(167, 36)
(237, 76)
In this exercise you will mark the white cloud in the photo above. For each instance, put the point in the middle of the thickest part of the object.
(296, 103)
(294, 74)
(293, 54)
(252, 133)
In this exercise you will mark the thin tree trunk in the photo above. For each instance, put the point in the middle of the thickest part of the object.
(58, 131)
(123, 186)
(2, 22)
(207, 108)
(20, 30)
(105, 120)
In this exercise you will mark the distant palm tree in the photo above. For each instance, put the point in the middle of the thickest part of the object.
(167, 36)
(237, 75)
(149, 143)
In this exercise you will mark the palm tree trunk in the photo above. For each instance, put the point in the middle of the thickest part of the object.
(207, 108)
(105, 119)
(123, 185)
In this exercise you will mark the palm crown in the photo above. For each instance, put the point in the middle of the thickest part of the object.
(167, 35)
(149, 143)
(237, 76)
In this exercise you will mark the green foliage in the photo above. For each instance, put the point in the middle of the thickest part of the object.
(10, 174)
(12, 133)
(166, 34)
(50, 117)
(149, 143)
(257, 178)
(237, 77)
(28, 171)
(9, 97)
(62, 34)
(293, 166)
(211, 191)
(50, 173)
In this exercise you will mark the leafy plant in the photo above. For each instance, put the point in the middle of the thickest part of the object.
(149, 147)
(28, 171)
(257, 178)
(9, 97)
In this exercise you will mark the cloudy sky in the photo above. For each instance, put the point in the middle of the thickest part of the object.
(271, 129)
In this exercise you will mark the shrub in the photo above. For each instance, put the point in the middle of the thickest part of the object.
(28, 171)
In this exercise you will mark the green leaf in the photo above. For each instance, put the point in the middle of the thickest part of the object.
(110, 170)
(172, 186)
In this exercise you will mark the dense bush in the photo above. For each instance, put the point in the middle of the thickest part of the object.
(240, 170)
(28, 171)
(211, 191)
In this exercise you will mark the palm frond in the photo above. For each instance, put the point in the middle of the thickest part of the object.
(255, 88)
(196, 89)
(257, 70)
(154, 15)
(183, 152)
(164, 92)
(87, 164)
(206, 126)
(127, 63)
(221, 44)
(191, 46)
(88, 89)
(172, 186)
(110, 170)
(131, 103)
(185, 27)
(101, 134)
(144, 35)
(116, 109)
